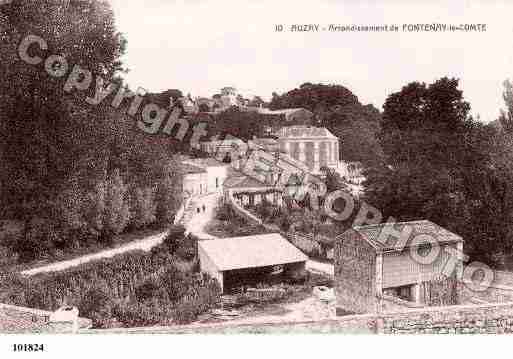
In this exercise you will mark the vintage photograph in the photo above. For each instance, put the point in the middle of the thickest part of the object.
(255, 167)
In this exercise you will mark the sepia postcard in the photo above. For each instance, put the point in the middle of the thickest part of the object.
(253, 167)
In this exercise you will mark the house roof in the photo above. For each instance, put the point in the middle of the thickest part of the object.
(292, 132)
(205, 162)
(424, 232)
(251, 252)
(242, 181)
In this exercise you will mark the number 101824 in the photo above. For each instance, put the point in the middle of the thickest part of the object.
(28, 348)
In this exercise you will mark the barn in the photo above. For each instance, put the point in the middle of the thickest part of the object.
(399, 260)
(247, 261)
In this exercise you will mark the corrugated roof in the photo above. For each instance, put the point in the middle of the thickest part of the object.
(251, 252)
(304, 132)
(439, 234)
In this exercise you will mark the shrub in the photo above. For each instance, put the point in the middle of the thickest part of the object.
(8, 257)
(134, 289)
(188, 248)
(175, 236)
(225, 213)
(97, 305)
(147, 290)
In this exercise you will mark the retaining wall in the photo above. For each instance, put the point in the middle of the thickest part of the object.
(470, 319)
(473, 319)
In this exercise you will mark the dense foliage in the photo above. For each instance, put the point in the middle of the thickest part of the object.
(444, 166)
(228, 224)
(338, 109)
(134, 289)
(72, 173)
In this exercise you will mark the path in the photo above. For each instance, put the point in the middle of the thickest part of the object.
(196, 222)
(195, 225)
(145, 244)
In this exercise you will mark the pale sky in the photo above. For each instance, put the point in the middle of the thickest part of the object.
(200, 46)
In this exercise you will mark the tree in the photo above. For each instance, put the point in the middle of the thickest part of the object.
(438, 167)
(164, 99)
(256, 101)
(174, 237)
(48, 135)
(333, 180)
(506, 116)
(117, 210)
(169, 196)
(143, 208)
(338, 109)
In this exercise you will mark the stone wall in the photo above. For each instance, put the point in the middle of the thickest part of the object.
(242, 212)
(474, 319)
(355, 272)
(496, 293)
(358, 324)
(471, 319)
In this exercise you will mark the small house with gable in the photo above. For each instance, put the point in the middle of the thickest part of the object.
(393, 260)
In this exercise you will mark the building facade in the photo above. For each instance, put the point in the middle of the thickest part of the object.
(195, 180)
(371, 266)
(216, 173)
(316, 147)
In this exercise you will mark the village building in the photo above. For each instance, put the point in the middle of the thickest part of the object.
(263, 176)
(195, 180)
(247, 261)
(276, 119)
(370, 267)
(249, 191)
(317, 147)
(219, 149)
(216, 173)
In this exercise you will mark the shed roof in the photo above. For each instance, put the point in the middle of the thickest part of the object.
(434, 232)
(251, 252)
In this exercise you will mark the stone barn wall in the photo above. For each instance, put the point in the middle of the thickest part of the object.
(355, 272)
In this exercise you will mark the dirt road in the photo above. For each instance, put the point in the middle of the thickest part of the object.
(145, 244)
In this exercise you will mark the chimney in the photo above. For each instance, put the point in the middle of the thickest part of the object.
(64, 320)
